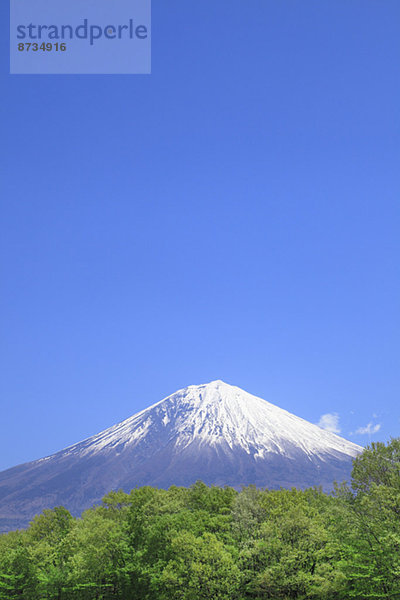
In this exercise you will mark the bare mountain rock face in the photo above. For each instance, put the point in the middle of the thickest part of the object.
(215, 432)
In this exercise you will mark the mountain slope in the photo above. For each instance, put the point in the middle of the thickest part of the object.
(214, 432)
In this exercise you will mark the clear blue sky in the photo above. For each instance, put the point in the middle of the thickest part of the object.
(233, 216)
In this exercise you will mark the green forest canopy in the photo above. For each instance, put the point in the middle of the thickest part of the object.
(218, 544)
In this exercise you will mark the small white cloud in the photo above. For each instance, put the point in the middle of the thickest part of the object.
(330, 422)
(369, 429)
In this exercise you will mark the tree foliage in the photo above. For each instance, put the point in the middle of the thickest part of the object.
(214, 543)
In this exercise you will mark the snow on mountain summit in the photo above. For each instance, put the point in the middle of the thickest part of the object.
(219, 414)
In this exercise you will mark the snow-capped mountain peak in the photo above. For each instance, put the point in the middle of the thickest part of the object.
(219, 414)
(215, 432)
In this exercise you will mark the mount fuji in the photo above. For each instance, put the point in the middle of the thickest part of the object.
(214, 432)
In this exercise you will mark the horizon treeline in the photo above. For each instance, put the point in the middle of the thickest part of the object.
(216, 543)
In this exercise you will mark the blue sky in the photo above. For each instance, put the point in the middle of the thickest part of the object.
(235, 215)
